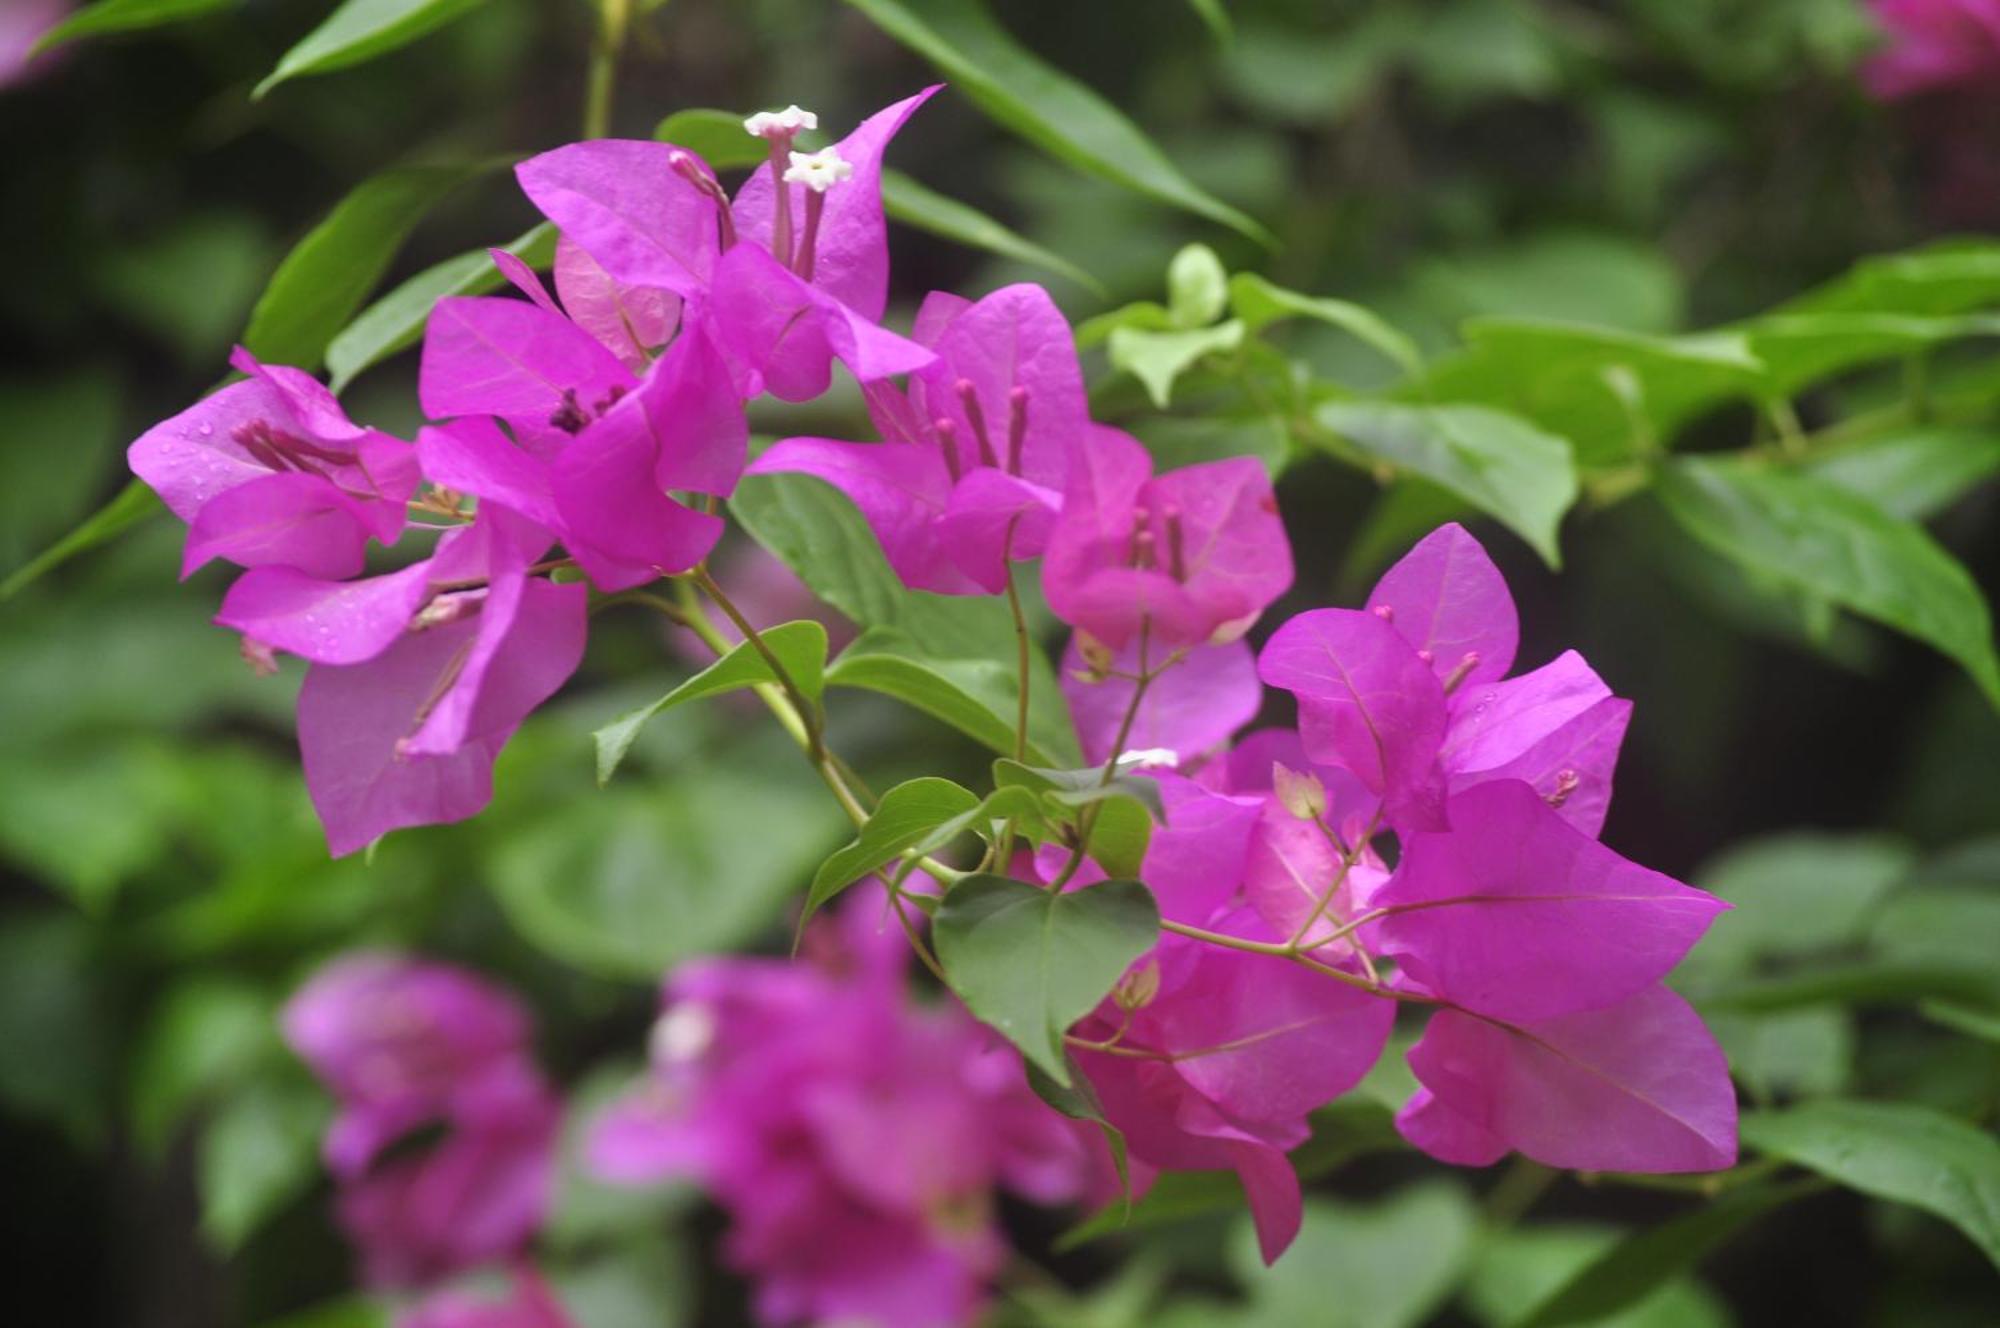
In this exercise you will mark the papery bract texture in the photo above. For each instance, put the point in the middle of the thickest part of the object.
(1367, 702)
(1637, 1086)
(1194, 556)
(1189, 711)
(1514, 914)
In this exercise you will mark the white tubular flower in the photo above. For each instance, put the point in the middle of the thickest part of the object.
(771, 124)
(819, 171)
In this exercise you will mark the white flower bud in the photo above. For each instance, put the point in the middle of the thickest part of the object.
(682, 1034)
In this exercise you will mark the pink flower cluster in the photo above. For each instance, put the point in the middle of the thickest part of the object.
(406, 1048)
(1540, 949)
(855, 1137)
(585, 417)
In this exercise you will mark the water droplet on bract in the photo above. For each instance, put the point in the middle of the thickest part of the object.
(208, 431)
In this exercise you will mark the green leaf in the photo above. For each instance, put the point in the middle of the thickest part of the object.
(352, 1312)
(1197, 287)
(1387, 1264)
(207, 1035)
(1156, 359)
(799, 646)
(953, 657)
(134, 505)
(1799, 1053)
(107, 16)
(397, 320)
(259, 1154)
(626, 884)
(1500, 464)
(1896, 1151)
(1613, 394)
(717, 137)
(1214, 15)
(1646, 1260)
(1863, 982)
(1078, 1101)
(1946, 278)
(1516, 1269)
(1259, 304)
(1016, 804)
(45, 490)
(1054, 112)
(907, 815)
(1963, 1019)
(361, 30)
(918, 205)
(323, 281)
(1818, 537)
(1914, 474)
(1795, 894)
(1799, 350)
(1031, 962)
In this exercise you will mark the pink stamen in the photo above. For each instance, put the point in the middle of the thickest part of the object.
(1017, 427)
(809, 240)
(968, 400)
(1176, 557)
(689, 167)
(947, 433)
(1465, 665)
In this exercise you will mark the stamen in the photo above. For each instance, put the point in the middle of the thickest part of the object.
(968, 400)
(1567, 782)
(1017, 427)
(947, 433)
(690, 168)
(1457, 675)
(809, 239)
(1143, 556)
(1176, 556)
(1386, 612)
(612, 396)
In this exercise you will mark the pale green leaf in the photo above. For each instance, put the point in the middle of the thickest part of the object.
(800, 647)
(1897, 1151)
(1822, 539)
(360, 30)
(1502, 465)
(1156, 359)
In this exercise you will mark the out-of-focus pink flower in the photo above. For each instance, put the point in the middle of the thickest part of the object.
(404, 1046)
(969, 476)
(855, 1137)
(1934, 45)
(1192, 556)
(527, 1303)
(271, 472)
(22, 23)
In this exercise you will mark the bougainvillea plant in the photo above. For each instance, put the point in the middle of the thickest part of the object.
(1189, 877)
(1193, 942)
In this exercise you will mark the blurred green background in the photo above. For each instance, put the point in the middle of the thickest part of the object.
(1652, 166)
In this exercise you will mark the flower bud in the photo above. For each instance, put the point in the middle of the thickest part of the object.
(1301, 794)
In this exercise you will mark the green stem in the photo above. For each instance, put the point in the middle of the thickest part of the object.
(614, 19)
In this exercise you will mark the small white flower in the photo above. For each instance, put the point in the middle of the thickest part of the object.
(770, 124)
(819, 171)
(1141, 757)
(682, 1034)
